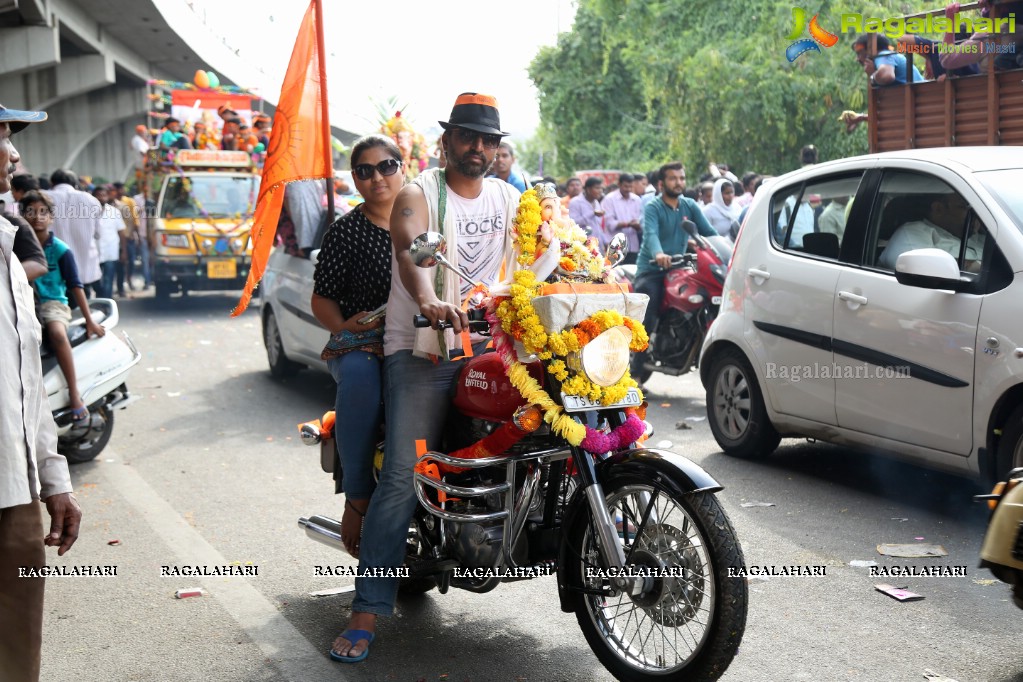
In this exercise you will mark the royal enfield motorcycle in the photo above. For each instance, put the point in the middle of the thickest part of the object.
(102, 365)
(1002, 551)
(692, 298)
(641, 547)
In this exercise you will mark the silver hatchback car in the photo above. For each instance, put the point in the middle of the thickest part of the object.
(875, 301)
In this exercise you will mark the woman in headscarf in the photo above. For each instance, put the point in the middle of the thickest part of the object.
(722, 209)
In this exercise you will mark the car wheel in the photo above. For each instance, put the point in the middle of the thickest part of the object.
(735, 408)
(280, 366)
(1010, 445)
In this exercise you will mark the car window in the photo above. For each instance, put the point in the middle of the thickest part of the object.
(810, 218)
(916, 211)
(1004, 185)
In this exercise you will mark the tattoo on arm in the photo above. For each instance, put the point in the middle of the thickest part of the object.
(407, 212)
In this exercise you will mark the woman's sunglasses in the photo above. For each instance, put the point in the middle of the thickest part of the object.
(364, 171)
(466, 136)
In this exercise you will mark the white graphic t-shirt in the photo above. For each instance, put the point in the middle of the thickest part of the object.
(481, 224)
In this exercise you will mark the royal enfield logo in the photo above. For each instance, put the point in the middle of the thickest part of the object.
(477, 379)
(819, 37)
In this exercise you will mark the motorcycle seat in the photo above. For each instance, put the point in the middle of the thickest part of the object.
(75, 333)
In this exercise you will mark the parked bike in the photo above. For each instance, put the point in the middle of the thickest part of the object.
(692, 298)
(640, 545)
(102, 365)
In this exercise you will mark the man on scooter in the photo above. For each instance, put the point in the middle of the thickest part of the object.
(474, 214)
(664, 236)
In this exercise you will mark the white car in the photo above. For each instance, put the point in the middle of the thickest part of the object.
(839, 324)
(292, 335)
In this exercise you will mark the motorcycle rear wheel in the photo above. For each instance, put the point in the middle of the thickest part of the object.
(88, 446)
(681, 627)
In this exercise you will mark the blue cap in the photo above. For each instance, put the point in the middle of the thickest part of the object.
(17, 120)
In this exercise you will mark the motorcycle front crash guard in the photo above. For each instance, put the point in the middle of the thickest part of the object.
(670, 469)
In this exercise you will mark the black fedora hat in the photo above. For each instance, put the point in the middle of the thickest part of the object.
(474, 111)
(17, 120)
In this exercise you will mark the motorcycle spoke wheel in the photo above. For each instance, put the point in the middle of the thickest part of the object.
(661, 630)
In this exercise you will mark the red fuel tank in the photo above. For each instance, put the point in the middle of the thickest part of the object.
(483, 390)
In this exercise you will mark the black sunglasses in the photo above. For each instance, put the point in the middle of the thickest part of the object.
(466, 136)
(364, 171)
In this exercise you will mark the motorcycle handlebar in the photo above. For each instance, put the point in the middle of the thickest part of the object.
(679, 259)
(476, 323)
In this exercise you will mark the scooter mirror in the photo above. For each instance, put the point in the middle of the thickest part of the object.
(689, 226)
(616, 249)
(426, 248)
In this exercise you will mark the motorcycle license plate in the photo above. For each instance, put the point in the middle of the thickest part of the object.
(716, 300)
(221, 269)
(578, 403)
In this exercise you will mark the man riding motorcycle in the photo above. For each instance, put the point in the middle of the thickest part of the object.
(459, 203)
(664, 236)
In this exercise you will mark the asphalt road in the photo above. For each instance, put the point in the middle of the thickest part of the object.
(207, 469)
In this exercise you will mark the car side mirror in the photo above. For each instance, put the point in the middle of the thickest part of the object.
(929, 269)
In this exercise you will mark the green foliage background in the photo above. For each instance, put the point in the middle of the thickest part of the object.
(636, 83)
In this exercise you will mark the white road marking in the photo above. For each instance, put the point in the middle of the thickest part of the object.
(280, 641)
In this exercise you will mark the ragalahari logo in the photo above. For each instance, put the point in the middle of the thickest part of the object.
(818, 36)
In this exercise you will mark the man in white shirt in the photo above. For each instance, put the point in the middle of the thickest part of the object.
(30, 468)
(76, 217)
(112, 235)
(622, 213)
(942, 229)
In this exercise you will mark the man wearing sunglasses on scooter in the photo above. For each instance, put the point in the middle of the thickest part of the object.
(474, 214)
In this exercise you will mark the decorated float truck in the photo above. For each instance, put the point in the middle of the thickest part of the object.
(979, 110)
(202, 217)
(202, 200)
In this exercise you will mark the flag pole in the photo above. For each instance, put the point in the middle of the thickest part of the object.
(328, 157)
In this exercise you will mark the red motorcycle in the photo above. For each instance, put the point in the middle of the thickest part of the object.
(643, 552)
(692, 299)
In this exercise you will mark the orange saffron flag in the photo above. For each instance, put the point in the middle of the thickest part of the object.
(299, 146)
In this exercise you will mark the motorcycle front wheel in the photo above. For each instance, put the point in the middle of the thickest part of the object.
(688, 621)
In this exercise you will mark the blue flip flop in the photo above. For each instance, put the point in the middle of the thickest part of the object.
(354, 636)
(79, 416)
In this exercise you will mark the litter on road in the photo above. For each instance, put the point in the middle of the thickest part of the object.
(332, 591)
(862, 563)
(758, 504)
(936, 677)
(189, 592)
(912, 551)
(899, 593)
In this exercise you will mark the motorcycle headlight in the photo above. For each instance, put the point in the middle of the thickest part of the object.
(605, 359)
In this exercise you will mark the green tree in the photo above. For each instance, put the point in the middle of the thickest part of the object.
(593, 114)
(707, 81)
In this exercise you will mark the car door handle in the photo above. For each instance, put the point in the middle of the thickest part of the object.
(850, 297)
(759, 274)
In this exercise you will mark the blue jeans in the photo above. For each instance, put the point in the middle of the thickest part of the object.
(358, 410)
(417, 396)
(109, 271)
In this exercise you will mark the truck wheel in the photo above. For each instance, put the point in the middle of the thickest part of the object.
(280, 366)
(1010, 445)
(735, 408)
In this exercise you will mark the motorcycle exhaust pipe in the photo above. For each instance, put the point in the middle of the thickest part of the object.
(324, 530)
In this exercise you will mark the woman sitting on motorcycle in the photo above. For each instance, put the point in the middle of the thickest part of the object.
(353, 278)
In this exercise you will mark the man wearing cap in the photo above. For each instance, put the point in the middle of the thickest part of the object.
(474, 214)
(30, 468)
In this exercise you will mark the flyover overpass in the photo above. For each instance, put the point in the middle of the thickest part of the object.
(86, 63)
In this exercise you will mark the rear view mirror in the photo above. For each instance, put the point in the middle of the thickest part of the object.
(929, 269)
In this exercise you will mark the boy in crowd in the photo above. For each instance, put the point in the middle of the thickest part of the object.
(53, 288)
